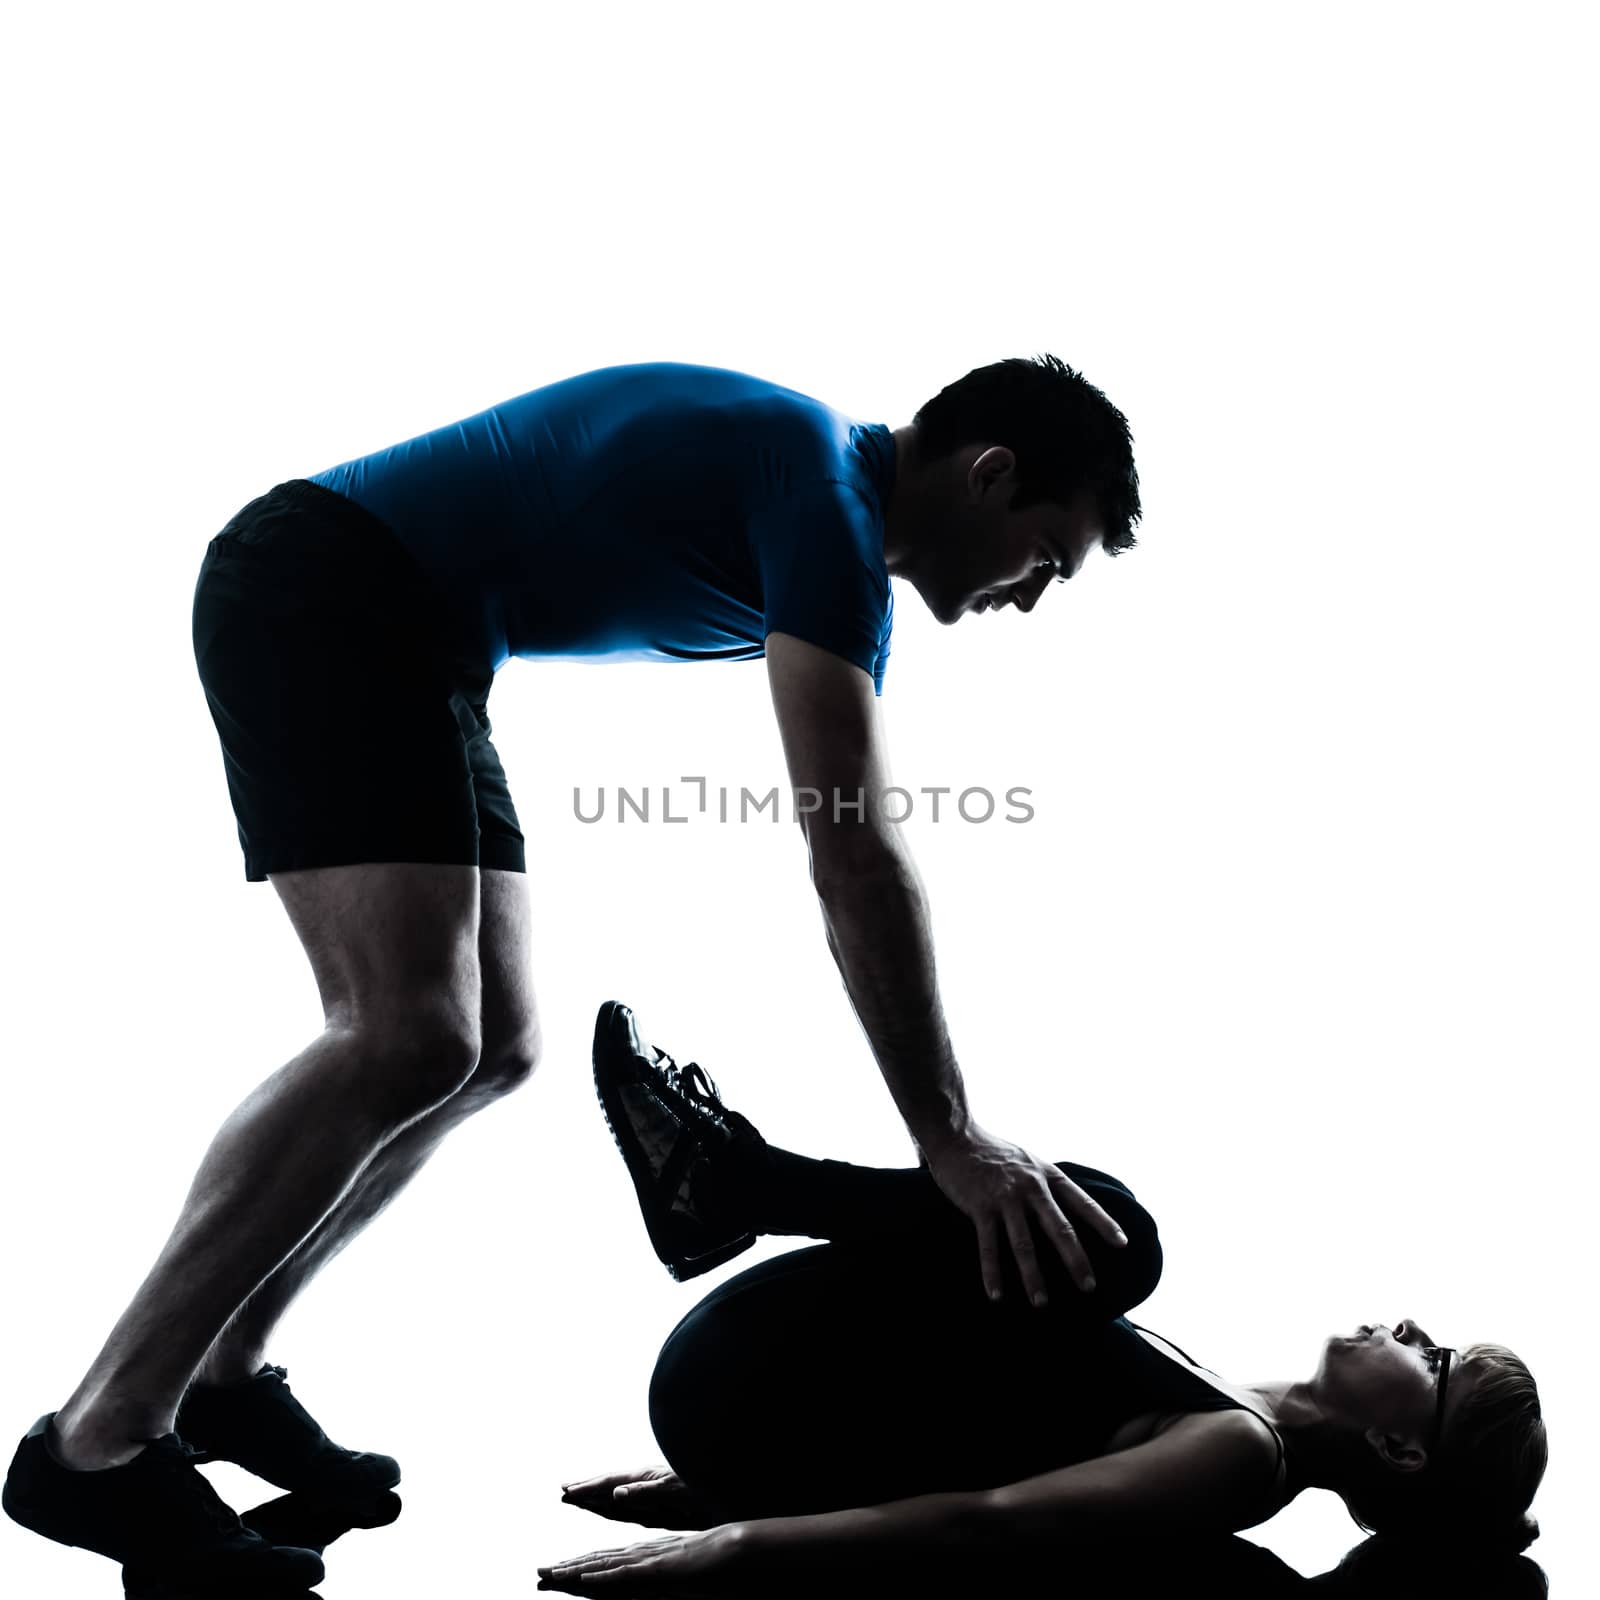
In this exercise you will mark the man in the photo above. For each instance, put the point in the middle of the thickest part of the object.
(347, 630)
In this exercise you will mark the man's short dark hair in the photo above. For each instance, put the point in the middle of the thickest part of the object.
(1063, 431)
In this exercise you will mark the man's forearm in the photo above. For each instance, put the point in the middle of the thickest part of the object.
(878, 929)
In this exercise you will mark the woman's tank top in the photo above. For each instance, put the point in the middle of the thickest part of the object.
(1137, 1378)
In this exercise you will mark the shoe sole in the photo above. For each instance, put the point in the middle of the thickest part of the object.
(142, 1583)
(680, 1266)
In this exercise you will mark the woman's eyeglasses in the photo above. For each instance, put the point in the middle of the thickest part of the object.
(1441, 1355)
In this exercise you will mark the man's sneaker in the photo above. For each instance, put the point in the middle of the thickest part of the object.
(672, 1129)
(260, 1426)
(315, 1524)
(291, 1519)
(155, 1513)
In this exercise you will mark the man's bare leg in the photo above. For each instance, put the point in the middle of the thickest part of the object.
(511, 1050)
(394, 948)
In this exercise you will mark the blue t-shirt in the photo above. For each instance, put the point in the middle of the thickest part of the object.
(657, 511)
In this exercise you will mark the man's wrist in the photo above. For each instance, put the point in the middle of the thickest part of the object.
(944, 1140)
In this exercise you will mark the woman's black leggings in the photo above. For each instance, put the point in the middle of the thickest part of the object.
(874, 1366)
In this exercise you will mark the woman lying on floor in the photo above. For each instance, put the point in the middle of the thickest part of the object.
(862, 1405)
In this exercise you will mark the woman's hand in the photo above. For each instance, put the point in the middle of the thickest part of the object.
(653, 1497)
(701, 1564)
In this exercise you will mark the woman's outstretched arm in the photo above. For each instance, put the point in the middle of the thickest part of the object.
(1210, 1472)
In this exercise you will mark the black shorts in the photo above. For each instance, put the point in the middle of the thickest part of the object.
(353, 729)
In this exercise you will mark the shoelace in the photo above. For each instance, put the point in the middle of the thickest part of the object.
(691, 1080)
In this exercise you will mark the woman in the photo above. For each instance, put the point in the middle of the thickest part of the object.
(862, 1405)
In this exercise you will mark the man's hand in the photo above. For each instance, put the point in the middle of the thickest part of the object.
(1001, 1188)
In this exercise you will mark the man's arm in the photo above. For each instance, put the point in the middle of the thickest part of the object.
(875, 914)
(874, 909)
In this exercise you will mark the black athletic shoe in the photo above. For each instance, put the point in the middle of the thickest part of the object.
(670, 1127)
(291, 1519)
(260, 1426)
(314, 1524)
(155, 1586)
(155, 1513)
(138, 1585)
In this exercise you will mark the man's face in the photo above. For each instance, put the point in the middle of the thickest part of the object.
(976, 554)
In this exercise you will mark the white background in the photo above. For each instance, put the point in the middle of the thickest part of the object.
(1300, 939)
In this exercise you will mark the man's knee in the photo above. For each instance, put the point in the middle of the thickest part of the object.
(506, 1063)
(416, 1058)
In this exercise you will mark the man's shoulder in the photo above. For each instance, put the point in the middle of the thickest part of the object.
(805, 441)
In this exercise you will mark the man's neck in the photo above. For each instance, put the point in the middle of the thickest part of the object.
(896, 533)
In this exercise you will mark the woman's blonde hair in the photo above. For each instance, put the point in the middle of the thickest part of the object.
(1478, 1486)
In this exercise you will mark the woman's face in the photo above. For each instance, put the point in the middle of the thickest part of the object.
(1386, 1379)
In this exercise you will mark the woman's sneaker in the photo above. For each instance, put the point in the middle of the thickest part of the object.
(679, 1143)
(155, 1513)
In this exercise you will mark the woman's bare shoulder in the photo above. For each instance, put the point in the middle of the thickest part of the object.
(1204, 1469)
(1238, 1442)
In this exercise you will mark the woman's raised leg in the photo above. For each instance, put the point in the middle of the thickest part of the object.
(874, 1366)
(782, 1193)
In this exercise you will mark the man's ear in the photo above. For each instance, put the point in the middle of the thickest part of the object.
(1401, 1453)
(989, 467)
